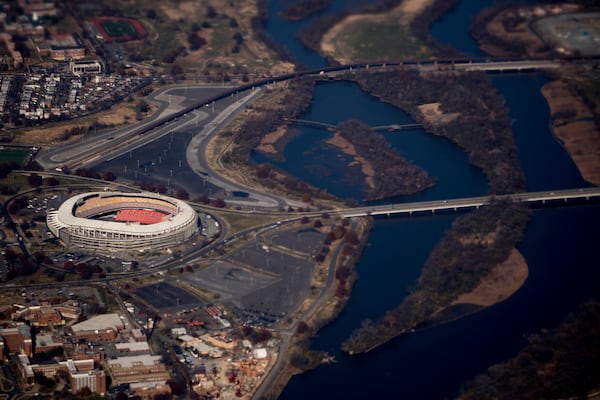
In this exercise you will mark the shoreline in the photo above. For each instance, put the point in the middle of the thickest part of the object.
(572, 120)
(577, 133)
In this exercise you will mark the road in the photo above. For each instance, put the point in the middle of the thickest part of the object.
(196, 156)
(95, 149)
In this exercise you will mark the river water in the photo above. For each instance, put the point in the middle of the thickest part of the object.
(433, 364)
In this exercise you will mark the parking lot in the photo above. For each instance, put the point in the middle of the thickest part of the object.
(164, 296)
(267, 279)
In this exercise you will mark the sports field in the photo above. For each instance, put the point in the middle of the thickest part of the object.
(9, 155)
(118, 28)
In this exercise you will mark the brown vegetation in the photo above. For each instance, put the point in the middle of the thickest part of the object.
(386, 172)
(574, 125)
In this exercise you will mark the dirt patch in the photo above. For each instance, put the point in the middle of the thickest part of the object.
(119, 115)
(411, 8)
(267, 143)
(435, 116)
(504, 280)
(348, 148)
(573, 125)
(275, 142)
(182, 11)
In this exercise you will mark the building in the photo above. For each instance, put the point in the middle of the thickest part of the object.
(99, 328)
(47, 315)
(134, 369)
(61, 47)
(94, 379)
(17, 339)
(45, 343)
(39, 8)
(109, 222)
(85, 67)
(82, 373)
(132, 348)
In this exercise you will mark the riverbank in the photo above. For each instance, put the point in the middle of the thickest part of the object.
(574, 126)
(507, 31)
(316, 313)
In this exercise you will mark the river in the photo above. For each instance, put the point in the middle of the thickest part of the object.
(432, 364)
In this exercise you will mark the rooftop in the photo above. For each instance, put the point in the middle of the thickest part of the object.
(100, 322)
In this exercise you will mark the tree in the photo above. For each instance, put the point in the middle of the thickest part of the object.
(302, 327)
(182, 194)
(142, 107)
(195, 41)
(203, 199)
(239, 39)
(52, 181)
(351, 237)
(211, 12)
(176, 69)
(69, 265)
(34, 180)
(109, 176)
(339, 232)
(219, 202)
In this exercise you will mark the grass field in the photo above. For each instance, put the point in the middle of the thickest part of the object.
(8, 155)
(388, 40)
(116, 28)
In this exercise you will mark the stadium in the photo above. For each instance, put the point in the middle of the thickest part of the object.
(110, 222)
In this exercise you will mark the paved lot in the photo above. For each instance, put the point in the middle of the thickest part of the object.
(307, 241)
(578, 32)
(231, 281)
(165, 296)
(265, 280)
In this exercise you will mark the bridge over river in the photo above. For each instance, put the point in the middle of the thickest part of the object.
(330, 127)
(533, 198)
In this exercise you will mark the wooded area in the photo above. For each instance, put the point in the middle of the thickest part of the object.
(393, 174)
(468, 251)
(563, 363)
(482, 127)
